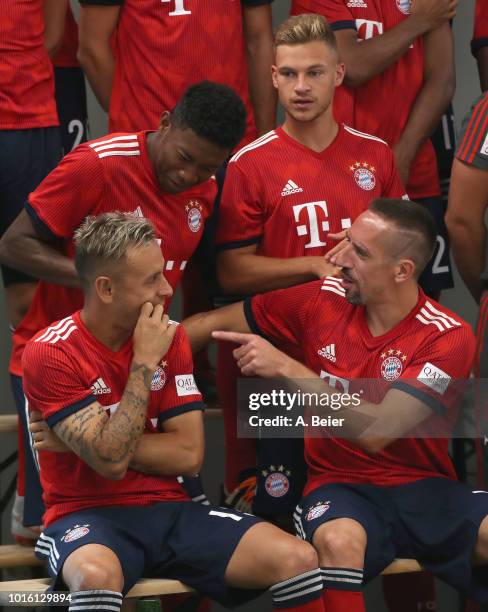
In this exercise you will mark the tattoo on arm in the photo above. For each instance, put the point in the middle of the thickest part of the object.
(99, 439)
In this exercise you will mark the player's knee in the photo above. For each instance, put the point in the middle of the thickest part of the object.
(296, 558)
(341, 542)
(91, 575)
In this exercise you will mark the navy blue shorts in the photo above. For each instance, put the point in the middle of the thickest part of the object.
(434, 520)
(437, 275)
(71, 105)
(26, 158)
(179, 540)
(281, 476)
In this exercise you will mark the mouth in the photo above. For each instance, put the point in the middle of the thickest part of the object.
(347, 281)
(175, 185)
(302, 104)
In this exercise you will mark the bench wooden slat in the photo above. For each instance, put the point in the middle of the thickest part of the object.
(144, 588)
(147, 587)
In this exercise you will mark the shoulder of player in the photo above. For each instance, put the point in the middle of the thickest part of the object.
(180, 339)
(254, 150)
(118, 144)
(438, 322)
(54, 341)
(330, 289)
(364, 139)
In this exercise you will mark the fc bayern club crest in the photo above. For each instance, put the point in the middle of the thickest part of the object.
(364, 175)
(195, 219)
(159, 377)
(392, 364)
(317, 510)
(404, 6)
(276, 483)
(77, 532)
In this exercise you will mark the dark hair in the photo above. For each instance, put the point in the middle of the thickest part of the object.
(214, 112)
(415, 222)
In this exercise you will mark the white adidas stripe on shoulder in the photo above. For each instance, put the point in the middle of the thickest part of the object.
(124, 146)
(255, 145)
(334, 285)
(119, 153)
(429, 315)
(99, 143)
(59, 325)
(363, 134)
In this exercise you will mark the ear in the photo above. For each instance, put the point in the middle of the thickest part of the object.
(405, 270)
(274, 76)
(340, 73)
(104, 289)
(165, 122)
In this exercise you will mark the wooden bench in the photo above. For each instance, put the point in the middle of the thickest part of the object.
(147, 587)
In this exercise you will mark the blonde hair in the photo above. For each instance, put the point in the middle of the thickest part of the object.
(106, 238)
(306, 28)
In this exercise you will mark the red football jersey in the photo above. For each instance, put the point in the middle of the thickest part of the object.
(423, 355)
(107, 174)
(480, 34)
(164, 46)
(473, 139)
(382, 105)
(286, 198)
(66, 54)
(67, 369)
(26, 73)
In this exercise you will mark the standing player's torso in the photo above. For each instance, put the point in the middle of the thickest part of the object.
(382, 105)
(163, 46)
(26, 76)
(304, 195)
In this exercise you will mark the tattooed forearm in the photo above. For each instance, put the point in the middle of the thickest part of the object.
(100, 440)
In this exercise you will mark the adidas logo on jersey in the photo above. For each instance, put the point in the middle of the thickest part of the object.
(290, 188)
(357, 4)
(329, 352)
(100, 388)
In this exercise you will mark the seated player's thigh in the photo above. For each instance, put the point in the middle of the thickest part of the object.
(267, 555)
(91, 567)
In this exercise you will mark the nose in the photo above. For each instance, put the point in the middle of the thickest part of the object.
(188, 176)
(165, 290)
(343, 257)
(301, 85)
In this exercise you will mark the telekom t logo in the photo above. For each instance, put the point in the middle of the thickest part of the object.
(367, 29)
(313, 227)
(179, 8)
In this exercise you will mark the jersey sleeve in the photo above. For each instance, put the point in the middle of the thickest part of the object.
(473, 140)
(241, 213)
(180, 393)
(480, 34)
(52, 384)
(68, 194)
(438, 374)
(335, 11)
(281, 316)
